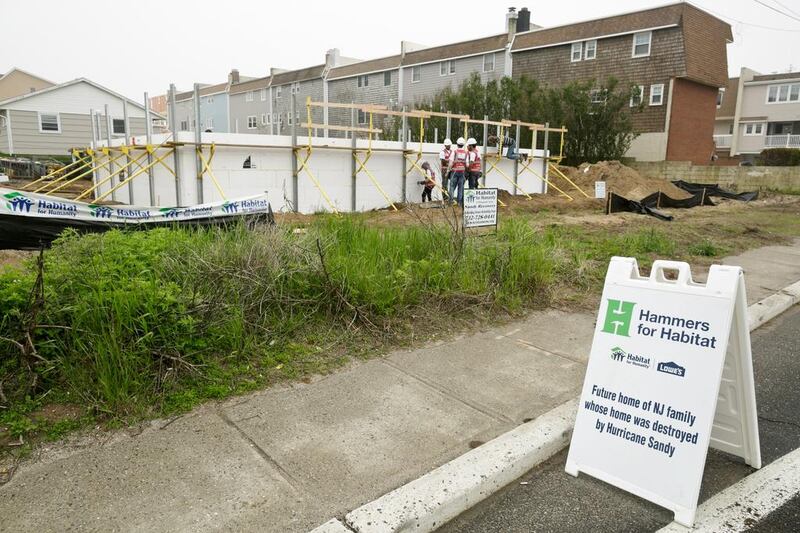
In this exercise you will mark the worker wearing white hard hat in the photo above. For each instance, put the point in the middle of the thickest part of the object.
(444, 163)
(458, 169)
(473, 163)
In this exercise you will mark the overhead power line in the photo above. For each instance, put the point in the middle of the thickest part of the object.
(743, 23)
(787, 8)
(776, 10)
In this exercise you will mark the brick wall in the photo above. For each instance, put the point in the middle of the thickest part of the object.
(691, 126)
(553, 66)
(783, 179)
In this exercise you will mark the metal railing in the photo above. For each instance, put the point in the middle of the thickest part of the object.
(723, 141)
(782, 141)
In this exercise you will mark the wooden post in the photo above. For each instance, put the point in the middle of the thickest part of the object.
(295, 180)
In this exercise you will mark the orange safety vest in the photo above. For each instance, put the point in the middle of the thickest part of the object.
(460, 160)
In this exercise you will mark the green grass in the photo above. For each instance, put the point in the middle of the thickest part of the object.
(149, 323)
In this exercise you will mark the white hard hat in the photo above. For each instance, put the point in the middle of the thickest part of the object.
(472, 140)
(460, 141)
(448, 142)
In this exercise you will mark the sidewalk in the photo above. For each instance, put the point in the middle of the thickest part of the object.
(290, 458)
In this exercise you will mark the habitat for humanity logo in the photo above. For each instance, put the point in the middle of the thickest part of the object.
(18, 202)
(230, 207)
(619, 355)
(170, 212)
(618, 317)
(671, 368)
(100, 211)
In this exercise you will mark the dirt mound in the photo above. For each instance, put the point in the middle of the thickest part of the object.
(619, 179)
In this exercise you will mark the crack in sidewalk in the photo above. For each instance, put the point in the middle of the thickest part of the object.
(290, 480)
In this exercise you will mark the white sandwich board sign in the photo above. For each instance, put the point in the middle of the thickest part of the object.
(599, 189)
(670, 373)
(480, 208)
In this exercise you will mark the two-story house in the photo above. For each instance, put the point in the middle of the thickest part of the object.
(17, 82)
(675, 56)
(757, 111)
(213, 109)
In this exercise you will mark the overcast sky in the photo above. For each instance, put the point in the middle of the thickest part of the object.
(132, 47)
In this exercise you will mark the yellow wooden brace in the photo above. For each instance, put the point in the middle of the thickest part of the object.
(108, 178)
(134, 175)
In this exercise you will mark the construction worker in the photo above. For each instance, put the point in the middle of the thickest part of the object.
(473, 163)
(428, 183)
(508, 142)
(458, 168)
(444, 161)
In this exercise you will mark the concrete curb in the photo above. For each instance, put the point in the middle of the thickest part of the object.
(439, 496)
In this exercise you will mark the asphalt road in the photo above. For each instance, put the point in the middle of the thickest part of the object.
(548, 499)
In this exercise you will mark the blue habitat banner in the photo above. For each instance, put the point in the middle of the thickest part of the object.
(29, 220)
(26, 204)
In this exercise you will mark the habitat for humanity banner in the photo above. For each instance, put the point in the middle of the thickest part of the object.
(25, 204)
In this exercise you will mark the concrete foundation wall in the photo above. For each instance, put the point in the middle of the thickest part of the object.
(330, 163)
(649, 147)
(784, 179)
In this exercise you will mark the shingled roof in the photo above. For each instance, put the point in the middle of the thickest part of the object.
(464, 48)
(777, 77)
(363, 67)
(250, 85)
(302, 74)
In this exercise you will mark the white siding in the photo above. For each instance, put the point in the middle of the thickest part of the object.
(77, 98)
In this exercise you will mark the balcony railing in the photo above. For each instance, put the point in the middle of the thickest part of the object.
(723, 141)
(782, 141)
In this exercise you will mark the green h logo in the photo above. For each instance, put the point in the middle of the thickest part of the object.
(618, 317)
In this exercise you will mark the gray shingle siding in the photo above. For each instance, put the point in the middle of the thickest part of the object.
(241, 109)
(76, 132)
(431, 82)
(346, 90)
(282, 105)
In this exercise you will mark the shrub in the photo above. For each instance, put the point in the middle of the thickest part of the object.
(780, 157)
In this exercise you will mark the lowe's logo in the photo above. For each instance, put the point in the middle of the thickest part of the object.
(671, 368)
(18, 202)
(618, 317)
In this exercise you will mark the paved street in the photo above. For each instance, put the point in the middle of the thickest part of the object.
(547, 499)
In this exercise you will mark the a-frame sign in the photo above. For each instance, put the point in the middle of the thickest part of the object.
(670, 374)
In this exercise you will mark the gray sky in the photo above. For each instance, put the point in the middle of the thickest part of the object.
(132, 47)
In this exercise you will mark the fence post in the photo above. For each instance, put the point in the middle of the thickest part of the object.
(405, 147)
(516, 161)
(485, 149)
(113, 183)
(198, 139)
(295, 180)
(353, 143)
(126, 125)
(175, 155)
(148, 130)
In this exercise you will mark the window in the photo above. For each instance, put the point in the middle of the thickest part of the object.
(657, 94)
(641, 43)
(118, 126)
(720, 97)
(263, 119)
(278, 91)
(363, 81)
(210, 123)
(289, 119)
(297, 117)
(590, 50)
(488, 62)
(294, 88)
(415, 74)
(447, 68)
(263, 95)
(387, 78)
(184, 125)
(49, 123)
(269, 119)
(637, 95)
(598, 96)
(210, 100)
(252, 123)
(249, 96)
(362, 117)
(754, 129)
(783, 93)
(577, 51)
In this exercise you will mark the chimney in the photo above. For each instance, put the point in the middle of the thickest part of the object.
(233, 77)
(332, 57)
(511, 22)
(523, 20)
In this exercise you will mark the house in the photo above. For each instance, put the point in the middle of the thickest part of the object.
(55, 119)
(757, 111)
(17, 82)
(251, 106)
(213, 109)
(675, 55)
